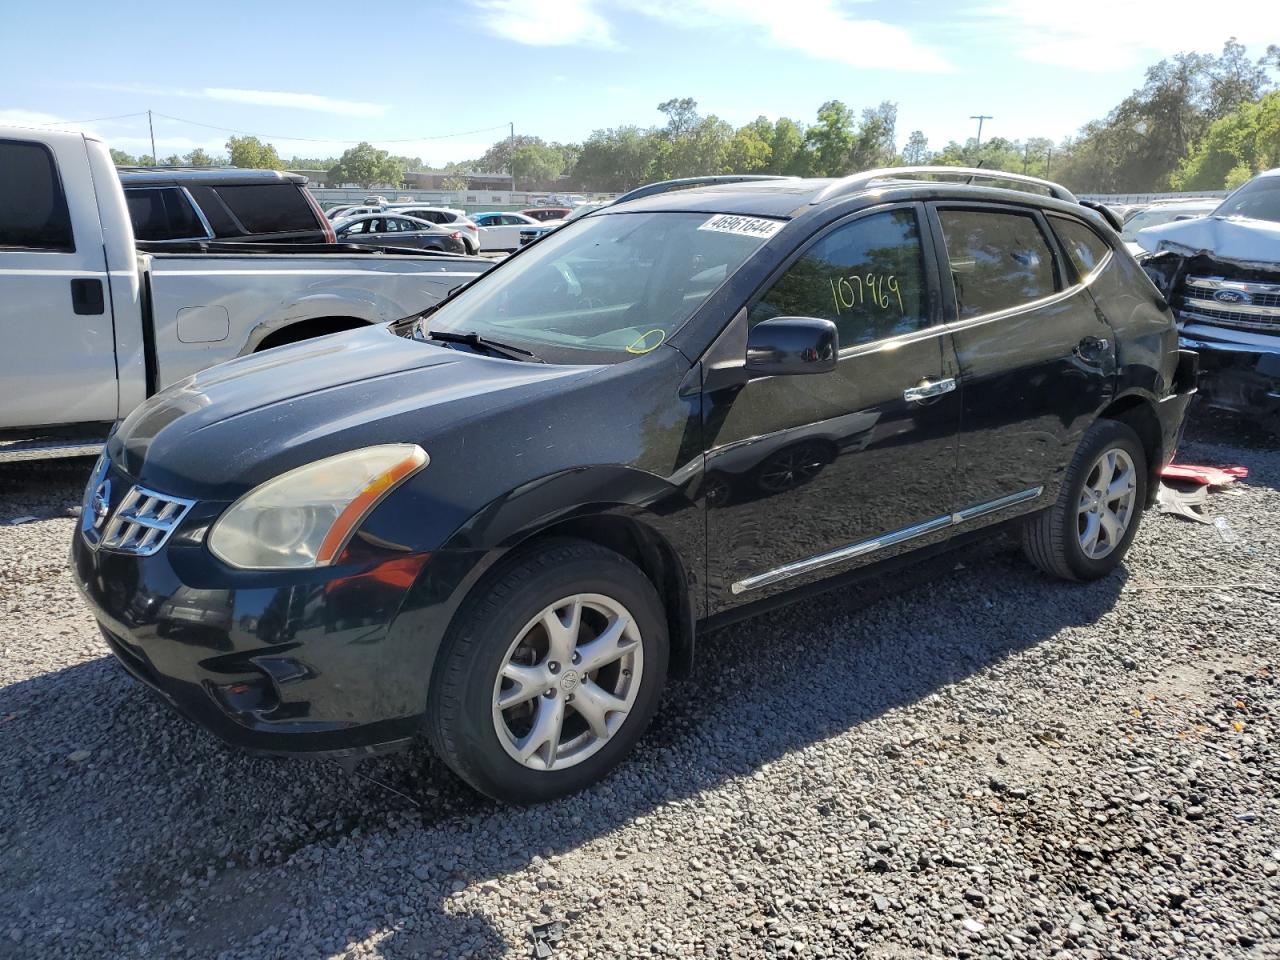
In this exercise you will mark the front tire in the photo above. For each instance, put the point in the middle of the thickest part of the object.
(550, 673)
(1087, 532)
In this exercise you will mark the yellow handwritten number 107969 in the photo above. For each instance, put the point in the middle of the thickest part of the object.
(872, 288)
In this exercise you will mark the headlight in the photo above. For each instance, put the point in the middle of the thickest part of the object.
(305, 517)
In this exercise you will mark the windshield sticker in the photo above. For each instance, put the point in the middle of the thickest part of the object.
(743, 226)
(642, 344)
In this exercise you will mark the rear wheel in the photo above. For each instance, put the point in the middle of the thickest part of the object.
(1086, 533)
(550, 674)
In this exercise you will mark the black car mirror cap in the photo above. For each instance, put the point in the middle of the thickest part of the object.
(785, 346)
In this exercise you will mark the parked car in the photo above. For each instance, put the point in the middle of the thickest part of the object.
(393, 230)
(180, 204)
(340, 213)
(501, 231)
(543, 214)
(1222, 275)
(494, 526)
(1163, 212)
(445, 217)
(92, 326)
(532, 233)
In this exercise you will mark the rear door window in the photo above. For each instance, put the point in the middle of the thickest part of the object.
(33, 208)
(999, 260)
(866, 276)
(1085, 249)
(163, 213)
(269, 207)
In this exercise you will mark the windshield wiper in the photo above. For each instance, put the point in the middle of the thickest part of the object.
(477, 342)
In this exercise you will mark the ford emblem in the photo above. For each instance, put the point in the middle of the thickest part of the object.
(1230, 296)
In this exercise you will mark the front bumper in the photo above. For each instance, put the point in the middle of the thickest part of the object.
(309, 662)
(1243, 377)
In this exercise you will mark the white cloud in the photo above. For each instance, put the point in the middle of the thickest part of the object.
(547, 23)
(296, 101)
(28, 118)
(1106, 35)
(261, 98)
(818, 28)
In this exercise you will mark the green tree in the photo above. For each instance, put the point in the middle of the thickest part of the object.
(873, 145)
(122, 159)
(251, 153)
(830, 140)
(497, 159)
(788, 154)
(454, 181)
(1238, 145)
(614, 160)
(916, 150)
(536, 163)
(173, 160)
(367, 166)
(198, 158)
(682, 116)
(748, 151)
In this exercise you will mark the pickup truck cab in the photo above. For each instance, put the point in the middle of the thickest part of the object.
(503, 523)
(92, 325)
(1221, 273)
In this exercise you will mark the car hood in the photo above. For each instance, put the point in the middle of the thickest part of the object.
(1228, 238)
(223, 431)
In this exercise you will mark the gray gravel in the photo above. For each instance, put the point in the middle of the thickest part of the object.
(980, 762)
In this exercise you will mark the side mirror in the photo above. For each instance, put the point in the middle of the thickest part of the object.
(791, 345)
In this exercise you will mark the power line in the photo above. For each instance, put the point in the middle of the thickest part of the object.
(275, 136)
(59, 123)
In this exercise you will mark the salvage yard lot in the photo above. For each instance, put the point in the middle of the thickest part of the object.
(977, 762)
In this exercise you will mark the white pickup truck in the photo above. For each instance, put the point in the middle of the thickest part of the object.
(91, 325)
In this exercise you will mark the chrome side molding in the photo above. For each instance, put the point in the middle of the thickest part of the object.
(863, 547)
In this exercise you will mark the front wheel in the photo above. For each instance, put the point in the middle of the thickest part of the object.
(1086, 533)
(550, 673)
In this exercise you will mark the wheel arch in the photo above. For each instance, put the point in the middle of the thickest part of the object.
(294, 331)
(1138, 412)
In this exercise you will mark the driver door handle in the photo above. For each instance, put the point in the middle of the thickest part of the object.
(928, 389)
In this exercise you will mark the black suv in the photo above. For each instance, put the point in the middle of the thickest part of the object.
(181, 204)
(504, 522)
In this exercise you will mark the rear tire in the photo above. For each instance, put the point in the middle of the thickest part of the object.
(1087, 532)
(528, 638)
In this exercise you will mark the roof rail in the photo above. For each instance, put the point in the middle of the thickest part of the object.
(859, 181)
(666, 186)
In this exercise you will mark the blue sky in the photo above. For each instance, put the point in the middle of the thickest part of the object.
(445, 76)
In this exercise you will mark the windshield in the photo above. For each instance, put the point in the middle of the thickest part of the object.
(1156, 216)
(1258, 199)
(605, 288)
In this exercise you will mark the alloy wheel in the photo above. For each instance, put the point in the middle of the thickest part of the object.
(1106, 503)
(568, 682)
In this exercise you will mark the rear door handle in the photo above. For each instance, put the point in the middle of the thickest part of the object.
(928, 390)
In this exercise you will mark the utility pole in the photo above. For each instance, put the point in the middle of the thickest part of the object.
(980, 117)
(1048, 163)
(151, 126)
(511, 160)
(1026, 157)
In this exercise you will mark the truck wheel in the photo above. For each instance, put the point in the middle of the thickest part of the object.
(549, 674)
(1086, 533)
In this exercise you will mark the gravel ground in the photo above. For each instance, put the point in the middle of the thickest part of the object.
(978, 762)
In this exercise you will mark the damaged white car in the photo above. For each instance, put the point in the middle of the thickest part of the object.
(1221, 274)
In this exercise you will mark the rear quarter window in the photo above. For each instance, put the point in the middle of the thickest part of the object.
(163, 213)
(1085, 249)
(999, 260)
(269, 207)
(33, 207)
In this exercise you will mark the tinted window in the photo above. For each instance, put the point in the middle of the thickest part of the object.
(360, 226)
(998, 260)
(163, 213)
(1259, 199)
(867, 277)
(33, 209)
(269, 207)
(1084, 248)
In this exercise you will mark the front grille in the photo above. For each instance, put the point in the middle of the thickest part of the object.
(1239, 304)
(143, 521)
